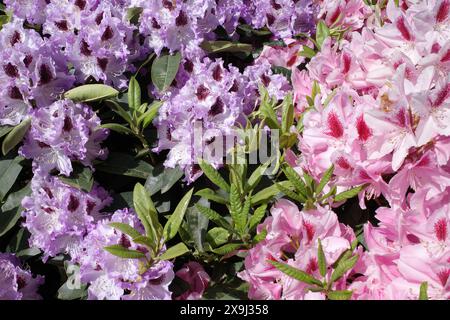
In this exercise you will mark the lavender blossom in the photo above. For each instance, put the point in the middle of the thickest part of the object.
(15, 282)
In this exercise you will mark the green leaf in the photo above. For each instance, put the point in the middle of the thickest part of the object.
(133, 14)
(423, 295)
(340, 295)
(117, 108)
(307, 52)
(174, 222)
(287, 73)
(257, 216)
(134, 94)
(321, 259)
(4, 130)
(260, 236)
(91, 93)
(164, 70)
(162, 179)
(348, 194)
(9, 171)
(226, 46)
(15, 198)
(342, 267)
(146, 241)
(291, 194)
(124, 164)
(117, 128)
(236, 209)
(125, 228)
(296, 180)
(322, 32)
(214, 175)
(146, 212)
(8, 219)
(214, 217)
(288, 113)
(268, 193)
(197, 225)
(81, 178)
(325, 179)
(123, 252)
(295, 273)
(15, 136)
(256, 176)
(226, 249)
(147, 117)
(175, 251)
(210, 194)
(217, 236)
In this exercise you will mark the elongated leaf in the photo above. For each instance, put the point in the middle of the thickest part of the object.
(15, 136)
(214, 217)
(325, 179)
(260, 236)
(162, 179)
(348, 194)
(125, 228)
(423, 294)
(91, 93)
(322, 32)
(123, 252)
(268, 193)
(117, 108)
(146, 241)
(307, 52)
(228, 248)
(257, 216)
(288, 113)
(174, 222)
(236, 209)
(321, 259)
(134, 94)
(214, 176)
(197, 225)
(147, 117)
(296, 180)
(210, 194)
(15, 198)
(164, 70)
(256, 176)
(117, 128)
(343, 267)
(81, 178)
(8, 219)
(9, 171)
(175, 251)
(217, 236)
(146, 212)
(5, 129)
(124, 164)
(291, 194)
(295, 273)
(340, 295)
(226, 46)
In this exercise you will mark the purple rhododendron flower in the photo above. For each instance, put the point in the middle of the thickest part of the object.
(15, 282)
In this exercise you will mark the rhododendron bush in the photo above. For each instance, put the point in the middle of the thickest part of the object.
(225, 149)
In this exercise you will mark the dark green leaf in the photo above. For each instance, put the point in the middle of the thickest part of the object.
(174, 222)
(81, 178)
(4, 130)
(348, 194)
(146, 212)
(321, 259)
(215, 217)
(342, 267)
(125, 228)
(117, 128)
(268, 193)
(164, 70)
(91, 93)
(217, 236)
(123, 252)
(210, 194)
(325, 179)
(295, 273)
(175, 251)
(9, 171)
(228, 248)
(214, 175)
(124, 164)
(15, 136)
(257, 216)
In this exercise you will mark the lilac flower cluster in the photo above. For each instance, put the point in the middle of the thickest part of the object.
(15, 282)
(59, 216)
(62, 132)
(114, 278)
(31, 73)
(211, 102)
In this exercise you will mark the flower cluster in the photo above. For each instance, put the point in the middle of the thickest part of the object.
(61, 132)
(15, 282)
(58, 216)
(114, 278)
(293, 238)
(211, 102)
